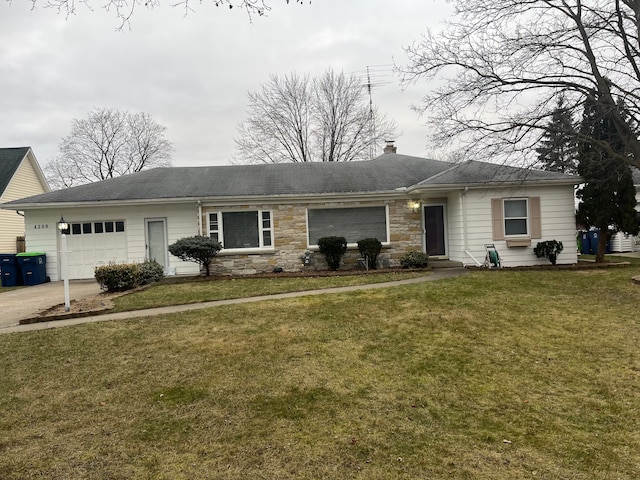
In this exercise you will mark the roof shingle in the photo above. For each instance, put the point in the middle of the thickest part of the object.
(10, 159)
(386, 173)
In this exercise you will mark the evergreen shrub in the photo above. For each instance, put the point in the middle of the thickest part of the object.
(414, 259)
(333, 249)
(118, 277)
(370, 248)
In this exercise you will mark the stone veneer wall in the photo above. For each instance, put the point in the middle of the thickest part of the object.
(290, 239)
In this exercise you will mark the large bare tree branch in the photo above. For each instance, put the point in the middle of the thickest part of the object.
(299, 119)
(124, 10)
(496, 68)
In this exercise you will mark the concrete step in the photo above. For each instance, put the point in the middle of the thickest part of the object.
(444, 264)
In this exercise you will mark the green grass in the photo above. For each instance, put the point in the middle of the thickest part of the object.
(495, 375)
(161, 295)
(612, 257)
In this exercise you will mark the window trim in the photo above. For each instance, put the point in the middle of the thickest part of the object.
(261, 230)
(526, 218)
(350, 245)
(534, 216)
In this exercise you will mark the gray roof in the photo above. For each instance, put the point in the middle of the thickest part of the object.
(386, 173)
(10, 159)
(481, 173)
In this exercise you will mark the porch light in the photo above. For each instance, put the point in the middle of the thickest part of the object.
(64, 266)
(414, 205)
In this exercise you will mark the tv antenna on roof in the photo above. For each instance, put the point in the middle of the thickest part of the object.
(373, 77)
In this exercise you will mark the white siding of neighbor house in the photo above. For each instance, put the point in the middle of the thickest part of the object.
(181, 221)
(557, 218)
(24, 183)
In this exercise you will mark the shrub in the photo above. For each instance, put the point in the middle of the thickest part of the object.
(150, 272)
(414, 259)
(118, 277)
(370, 248)
(333, 248)
(550, 249)
(197, 249)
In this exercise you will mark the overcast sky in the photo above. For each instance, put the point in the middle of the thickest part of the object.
(192, 74)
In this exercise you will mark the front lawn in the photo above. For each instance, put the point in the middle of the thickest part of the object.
(495, 375)
(208, 290)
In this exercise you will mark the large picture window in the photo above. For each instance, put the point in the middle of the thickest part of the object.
(354, 223)
(516, 217)
(242, 229)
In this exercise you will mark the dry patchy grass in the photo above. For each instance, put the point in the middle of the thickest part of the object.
(205, 290)
(496, 375)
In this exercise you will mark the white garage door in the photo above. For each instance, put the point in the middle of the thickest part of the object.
(91, 244)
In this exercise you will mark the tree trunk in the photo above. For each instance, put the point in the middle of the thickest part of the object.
(602, 245)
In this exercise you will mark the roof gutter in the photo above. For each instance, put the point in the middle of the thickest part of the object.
(478, 186)
(309, 198)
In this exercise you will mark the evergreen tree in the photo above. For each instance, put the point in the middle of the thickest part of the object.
(558, 148)
(608, 196)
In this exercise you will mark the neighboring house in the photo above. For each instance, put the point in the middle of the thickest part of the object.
(636, 183)
(20, 176)
(267, 216)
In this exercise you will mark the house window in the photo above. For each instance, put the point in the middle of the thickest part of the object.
(354, 223)
(516, 217)
(244, 229)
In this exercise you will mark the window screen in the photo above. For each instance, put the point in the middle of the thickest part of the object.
(352, 223)
(515, 217)
(240, 229)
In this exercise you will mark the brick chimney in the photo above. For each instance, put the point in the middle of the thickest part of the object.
(390, 148)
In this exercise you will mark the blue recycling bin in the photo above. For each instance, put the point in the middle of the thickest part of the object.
(594, 238)
(9, 270)
(585, 241)
(33, 266)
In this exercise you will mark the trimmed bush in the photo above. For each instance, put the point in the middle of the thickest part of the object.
(197, 249)
(414, 259)
(370, 248)
(550, 249)
(118, 277)
(333, 249)
(150, 272)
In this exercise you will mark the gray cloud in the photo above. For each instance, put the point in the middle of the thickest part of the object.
(192, 73)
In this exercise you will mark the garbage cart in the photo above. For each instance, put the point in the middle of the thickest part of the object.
(9, 270)
(33, 266)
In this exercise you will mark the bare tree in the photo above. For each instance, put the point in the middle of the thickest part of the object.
(498, 67)
(108, 143)
(298, 119)
(125, 9)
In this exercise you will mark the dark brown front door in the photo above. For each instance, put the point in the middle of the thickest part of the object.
(434, 226)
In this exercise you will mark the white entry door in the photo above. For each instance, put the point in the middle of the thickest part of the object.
(156, 238)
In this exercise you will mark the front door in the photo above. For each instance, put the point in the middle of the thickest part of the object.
(156, 233)
(435, 238)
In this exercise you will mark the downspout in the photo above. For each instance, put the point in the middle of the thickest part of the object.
(199, 203)
(464, 227)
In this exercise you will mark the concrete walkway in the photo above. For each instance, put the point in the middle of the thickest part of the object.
(29, 302)
(439, 274)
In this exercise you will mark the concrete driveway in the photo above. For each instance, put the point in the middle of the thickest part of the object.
(28, 302)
